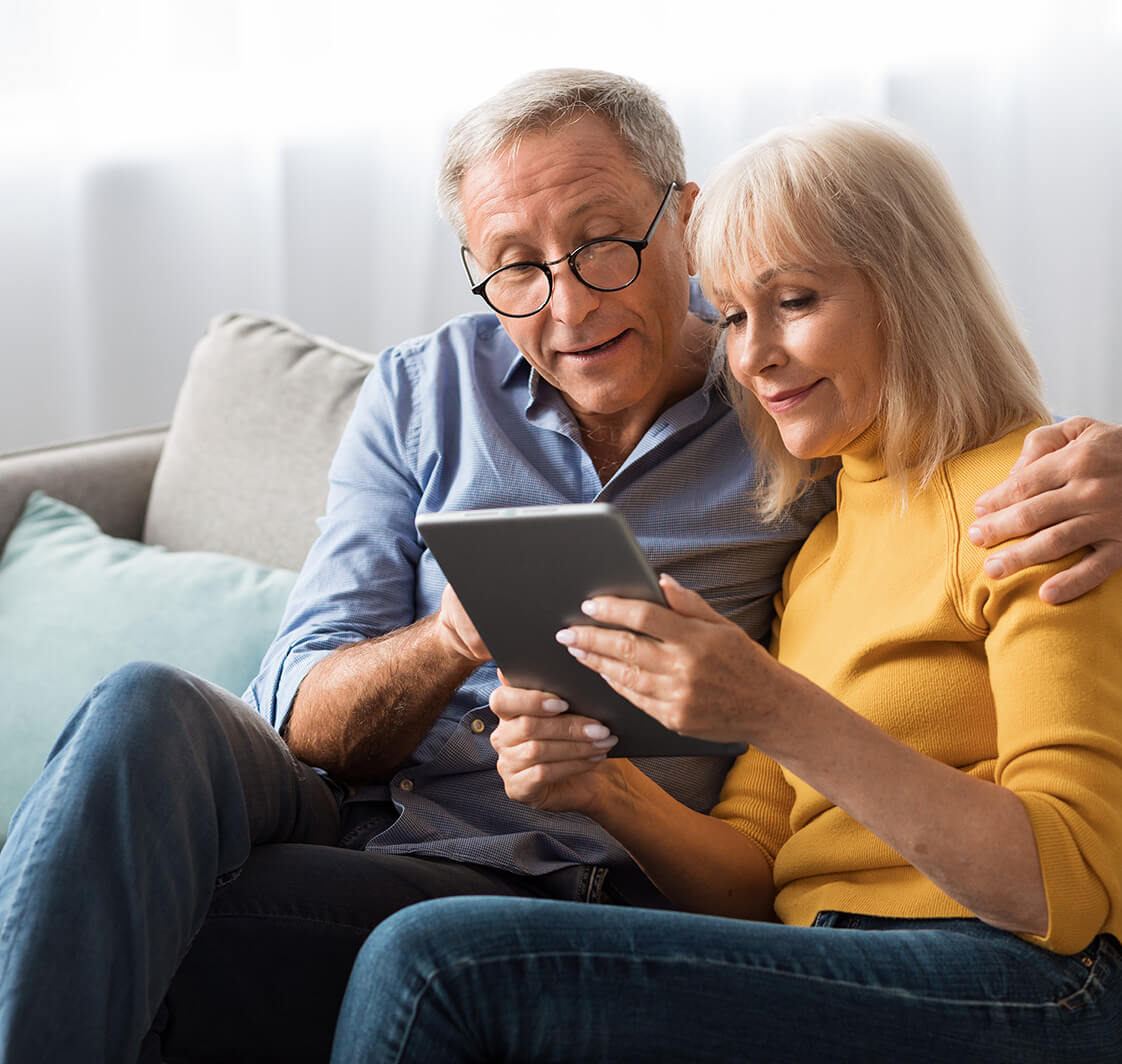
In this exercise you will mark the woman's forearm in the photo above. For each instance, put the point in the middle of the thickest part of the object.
(700, 863)
(972, 838)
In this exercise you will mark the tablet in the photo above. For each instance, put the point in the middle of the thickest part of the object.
(522, 574)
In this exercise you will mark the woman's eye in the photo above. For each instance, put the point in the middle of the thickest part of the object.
(796, 302)
(730, 321)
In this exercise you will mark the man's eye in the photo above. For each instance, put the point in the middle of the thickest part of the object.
(730, 321)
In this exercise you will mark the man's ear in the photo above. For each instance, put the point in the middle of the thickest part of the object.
(686, 199)
(685, 210)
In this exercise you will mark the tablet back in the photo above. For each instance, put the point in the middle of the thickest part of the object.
(522, 574)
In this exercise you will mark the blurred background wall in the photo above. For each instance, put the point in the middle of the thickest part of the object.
(162, 161)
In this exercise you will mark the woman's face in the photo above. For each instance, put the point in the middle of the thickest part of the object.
(805, 340)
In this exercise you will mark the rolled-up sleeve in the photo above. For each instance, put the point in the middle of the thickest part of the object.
(359, 578)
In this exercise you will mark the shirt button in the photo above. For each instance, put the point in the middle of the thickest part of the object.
(406, 785)
(478, 726)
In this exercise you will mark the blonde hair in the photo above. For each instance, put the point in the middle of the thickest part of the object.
(854, 192)
(551, 99)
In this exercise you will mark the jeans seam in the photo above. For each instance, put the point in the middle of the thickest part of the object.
(679, 958)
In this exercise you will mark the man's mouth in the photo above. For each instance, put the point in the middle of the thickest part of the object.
(595, 349)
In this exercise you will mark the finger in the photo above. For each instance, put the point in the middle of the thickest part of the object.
(1023, 519)
(619, 644)
(1031, 475)
(547, 751)
(685, 602)
(1048, 545)
(634, 683)
(1049, 438)
(527, 784)
(647, 618)
(568, 727)
(1084, 576)
(509, 703)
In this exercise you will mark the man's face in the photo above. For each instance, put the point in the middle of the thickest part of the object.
(615, 356)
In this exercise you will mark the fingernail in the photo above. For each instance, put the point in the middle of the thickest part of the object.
(589, 606)
(597, 757)
(565, 636)
(994, 567)
(974, 534)
(554, 705)
(606, 744)
(577, 653)
(596, 731)
(668, 579)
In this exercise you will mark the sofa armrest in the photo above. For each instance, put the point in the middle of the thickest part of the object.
(109, 478)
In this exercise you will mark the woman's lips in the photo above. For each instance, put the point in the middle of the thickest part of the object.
(785, 400)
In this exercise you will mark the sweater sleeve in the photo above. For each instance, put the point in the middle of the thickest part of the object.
(1056, 679)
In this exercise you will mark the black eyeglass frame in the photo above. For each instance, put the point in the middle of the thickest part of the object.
(638, 246)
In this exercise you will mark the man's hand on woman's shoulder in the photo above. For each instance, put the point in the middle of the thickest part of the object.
(1064, 493)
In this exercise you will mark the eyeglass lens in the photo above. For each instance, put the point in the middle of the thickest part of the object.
(524, 288)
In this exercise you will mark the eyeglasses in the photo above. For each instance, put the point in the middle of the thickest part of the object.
(521, 289)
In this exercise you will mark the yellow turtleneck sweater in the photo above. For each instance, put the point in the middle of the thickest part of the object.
(892, 614)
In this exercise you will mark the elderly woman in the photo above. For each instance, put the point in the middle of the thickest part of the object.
(921, 852)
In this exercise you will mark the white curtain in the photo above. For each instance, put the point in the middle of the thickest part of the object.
(162, 161)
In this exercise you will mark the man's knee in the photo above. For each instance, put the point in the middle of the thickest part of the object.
(143, 705)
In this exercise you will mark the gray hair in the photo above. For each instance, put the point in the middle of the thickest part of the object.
(548, 99)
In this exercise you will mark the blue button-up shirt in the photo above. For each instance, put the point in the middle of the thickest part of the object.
(458, 420)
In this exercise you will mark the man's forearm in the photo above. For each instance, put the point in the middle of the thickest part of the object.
(362, 710)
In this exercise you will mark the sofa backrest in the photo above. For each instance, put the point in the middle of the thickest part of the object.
(244, 468)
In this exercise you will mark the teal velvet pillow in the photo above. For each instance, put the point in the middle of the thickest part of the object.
(75, 604)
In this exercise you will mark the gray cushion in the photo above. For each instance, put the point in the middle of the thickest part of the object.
(244, 468)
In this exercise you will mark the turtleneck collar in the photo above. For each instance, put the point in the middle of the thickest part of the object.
(863, 459)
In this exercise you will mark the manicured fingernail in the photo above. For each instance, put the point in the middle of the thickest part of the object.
(974, 534)
(554, 705)
(666, 578)
(606, 744)
(590, 607)
(577, 653)
(596, 731)
(565, 636)
(994, 567)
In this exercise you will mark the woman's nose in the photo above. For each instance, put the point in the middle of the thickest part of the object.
(752, 347)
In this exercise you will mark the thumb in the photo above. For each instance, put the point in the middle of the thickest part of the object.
(685, 602)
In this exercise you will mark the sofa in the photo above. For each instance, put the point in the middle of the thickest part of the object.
(177, 543)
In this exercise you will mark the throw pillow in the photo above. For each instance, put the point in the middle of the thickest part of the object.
(75, 604)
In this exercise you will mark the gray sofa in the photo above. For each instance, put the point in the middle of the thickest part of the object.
(242, 469)
(240, 473)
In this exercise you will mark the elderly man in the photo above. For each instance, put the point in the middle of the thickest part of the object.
(173, 831)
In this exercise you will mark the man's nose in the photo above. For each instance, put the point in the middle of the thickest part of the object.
(572, 299)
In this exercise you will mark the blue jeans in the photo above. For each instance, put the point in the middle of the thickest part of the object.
(173, 886)
(532, 981)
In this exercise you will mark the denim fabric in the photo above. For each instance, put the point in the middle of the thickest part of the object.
(156, 790)
(172, 833)
(514, 980)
